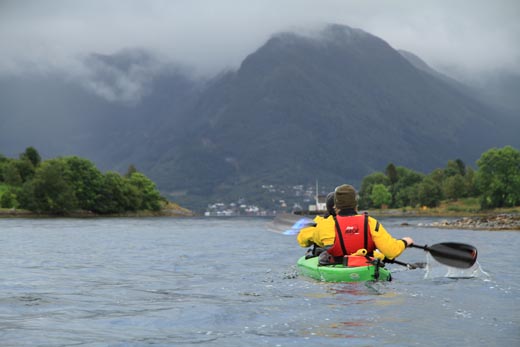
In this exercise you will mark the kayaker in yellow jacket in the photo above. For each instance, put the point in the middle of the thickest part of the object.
(322, 234)
(345, 205)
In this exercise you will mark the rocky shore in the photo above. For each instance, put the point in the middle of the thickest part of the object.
(494, 222)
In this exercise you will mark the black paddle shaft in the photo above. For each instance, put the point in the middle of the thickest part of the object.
(410, 266)
(453, 254)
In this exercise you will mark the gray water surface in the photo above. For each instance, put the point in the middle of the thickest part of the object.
(233, 282)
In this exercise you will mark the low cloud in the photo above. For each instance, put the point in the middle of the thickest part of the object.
(120, 80)
(469, 36)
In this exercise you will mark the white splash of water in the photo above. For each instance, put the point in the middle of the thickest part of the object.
(435, 270)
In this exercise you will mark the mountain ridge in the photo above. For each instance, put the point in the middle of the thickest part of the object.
(333, 106)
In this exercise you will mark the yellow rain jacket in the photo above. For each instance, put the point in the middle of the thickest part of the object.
(324, 233)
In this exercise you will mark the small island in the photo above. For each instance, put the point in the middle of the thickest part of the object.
(73, 187)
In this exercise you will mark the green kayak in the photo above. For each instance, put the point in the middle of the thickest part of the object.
(339, 273)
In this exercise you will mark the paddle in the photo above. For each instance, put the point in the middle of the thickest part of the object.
(408, 265)
(453, 254)
(301, 223)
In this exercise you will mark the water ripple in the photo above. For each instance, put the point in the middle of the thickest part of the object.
(207, 282)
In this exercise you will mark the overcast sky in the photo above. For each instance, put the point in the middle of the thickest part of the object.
(476, 35)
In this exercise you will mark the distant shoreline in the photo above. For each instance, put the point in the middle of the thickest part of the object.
(504, 222)
(168, 212)
(495, 221)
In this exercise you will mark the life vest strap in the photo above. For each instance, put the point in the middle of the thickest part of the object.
(366, 231)
(339, 235)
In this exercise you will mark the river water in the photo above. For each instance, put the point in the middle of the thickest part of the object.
(233, 282)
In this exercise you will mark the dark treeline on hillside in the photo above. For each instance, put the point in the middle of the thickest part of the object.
(496, 183)
(68, 184)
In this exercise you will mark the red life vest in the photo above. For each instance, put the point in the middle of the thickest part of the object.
(352, 234)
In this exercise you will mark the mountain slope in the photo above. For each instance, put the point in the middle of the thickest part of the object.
(335, 108)
(91, 117)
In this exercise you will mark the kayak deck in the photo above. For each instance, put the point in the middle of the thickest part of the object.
(339, 273)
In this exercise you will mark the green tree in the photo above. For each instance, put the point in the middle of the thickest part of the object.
(437, 175)
(452, 169)
(9, 199)
(49, 191)
(461, 167)
(454, 187)
(393, 177)
(391, 173)
(17, 171)
(85, 180)
(408, 177)
(25, 168)
(470, 183)
(498, 177)
(32, 155)
(405, 188)
(3, 163)
(380, 195)
(369, 181)
(151, 198)
(117, 195)
(407, 196)
(11, 174)
(131, 170)
(429, 193)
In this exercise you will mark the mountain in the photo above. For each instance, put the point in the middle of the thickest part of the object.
(333, 106)
(498, 89)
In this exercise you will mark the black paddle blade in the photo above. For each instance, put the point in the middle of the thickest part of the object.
(454, 254)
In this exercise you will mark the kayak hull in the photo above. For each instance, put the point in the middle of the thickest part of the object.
(339, 273)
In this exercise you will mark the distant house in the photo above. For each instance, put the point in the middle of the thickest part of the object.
(320, 205)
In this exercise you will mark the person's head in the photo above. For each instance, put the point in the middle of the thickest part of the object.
(345, 197)
(330, 204)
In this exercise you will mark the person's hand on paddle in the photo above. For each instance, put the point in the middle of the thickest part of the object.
(408, 240)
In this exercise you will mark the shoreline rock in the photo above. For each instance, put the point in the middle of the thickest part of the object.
(494, 222)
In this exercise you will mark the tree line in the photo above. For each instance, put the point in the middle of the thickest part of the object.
(496, 183)
(68, 184)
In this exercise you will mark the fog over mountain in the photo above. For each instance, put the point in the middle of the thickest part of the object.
(467, 37)
(333, 105)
